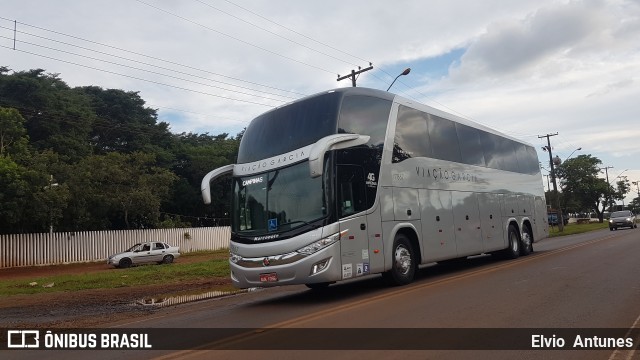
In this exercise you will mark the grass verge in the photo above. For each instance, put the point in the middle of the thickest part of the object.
(216, 266)
(572, 229)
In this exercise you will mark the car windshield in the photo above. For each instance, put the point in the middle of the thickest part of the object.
(619, 214)
(134, 247)
(277, 201)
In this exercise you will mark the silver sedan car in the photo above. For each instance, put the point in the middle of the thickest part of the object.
(145, 253)
(623, 218)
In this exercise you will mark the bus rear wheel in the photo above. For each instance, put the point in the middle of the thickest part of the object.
(526, 247)
(513, 250)
(403, 262)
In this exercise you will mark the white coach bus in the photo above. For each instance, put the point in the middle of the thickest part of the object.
(353, 182)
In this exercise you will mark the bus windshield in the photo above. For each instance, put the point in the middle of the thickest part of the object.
(277, 201)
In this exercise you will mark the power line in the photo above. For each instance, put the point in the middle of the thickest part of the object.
(296, 32)
(151, 72)
(140, 54)
(138, 78)
(235, 38)
(273, 33)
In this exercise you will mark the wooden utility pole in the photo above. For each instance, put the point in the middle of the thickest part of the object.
(560, 217)
(354, 73)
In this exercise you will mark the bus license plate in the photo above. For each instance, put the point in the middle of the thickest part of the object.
(270, 277)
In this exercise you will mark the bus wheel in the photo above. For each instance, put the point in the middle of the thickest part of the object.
(526, 247)
(403, 263)
(513, 251)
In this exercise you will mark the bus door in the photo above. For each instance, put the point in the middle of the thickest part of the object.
(352, 204)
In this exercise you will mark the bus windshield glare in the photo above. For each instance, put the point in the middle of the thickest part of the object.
(277, 201)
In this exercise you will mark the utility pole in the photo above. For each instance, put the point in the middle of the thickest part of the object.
(607, 201)
(560, 217)
(354, 73)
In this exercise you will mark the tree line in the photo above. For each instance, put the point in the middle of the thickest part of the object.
(88, 158)
(583, 190)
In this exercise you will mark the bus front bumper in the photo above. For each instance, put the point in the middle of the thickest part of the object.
(287, 269)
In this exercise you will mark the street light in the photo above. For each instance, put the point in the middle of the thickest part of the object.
(618, 177)
(405, 72)
(49, 187)
(569, 157)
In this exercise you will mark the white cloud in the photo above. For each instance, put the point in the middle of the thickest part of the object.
(530, 67)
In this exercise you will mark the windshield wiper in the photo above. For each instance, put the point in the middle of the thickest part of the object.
(294, 222)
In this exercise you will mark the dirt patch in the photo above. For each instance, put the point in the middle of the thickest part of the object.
(88, 308)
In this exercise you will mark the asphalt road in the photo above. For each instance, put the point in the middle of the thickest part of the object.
(574, 285)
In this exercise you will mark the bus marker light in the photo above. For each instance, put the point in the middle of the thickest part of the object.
(376, 251)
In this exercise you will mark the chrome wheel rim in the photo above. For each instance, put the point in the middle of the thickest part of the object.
(514, 242)
(403, 260)
(526, 240)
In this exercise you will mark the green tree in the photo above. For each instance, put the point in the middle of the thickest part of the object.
(124, 124)
(57, 117)
(128, 187)
(579, 182)
(13, 135)
(195, 156)
(13, 190)
(635, 205)
(115, 165)
(623, 187)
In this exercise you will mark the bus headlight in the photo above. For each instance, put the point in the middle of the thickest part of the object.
(321, 244)
(234, 258)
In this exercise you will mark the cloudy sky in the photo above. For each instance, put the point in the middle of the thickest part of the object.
(526, 68)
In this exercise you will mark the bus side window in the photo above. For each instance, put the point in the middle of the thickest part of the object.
(351, 190)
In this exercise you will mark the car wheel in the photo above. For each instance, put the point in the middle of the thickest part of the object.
(403, 262)
(610, 229)
(124, 263)
(167, 259)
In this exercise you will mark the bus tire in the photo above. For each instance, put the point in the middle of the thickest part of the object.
(403, 262)
(513, 250)
(526, 243)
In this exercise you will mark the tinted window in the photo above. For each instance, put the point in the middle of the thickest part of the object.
(444, 140)
(351, 190)
(499, 152)
(365, 115)
(411, 138)
(527, 159)
(426, 135)
(470, 146)
(290, 127)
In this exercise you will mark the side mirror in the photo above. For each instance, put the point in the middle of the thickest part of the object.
(331, 142)
(205, 186)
